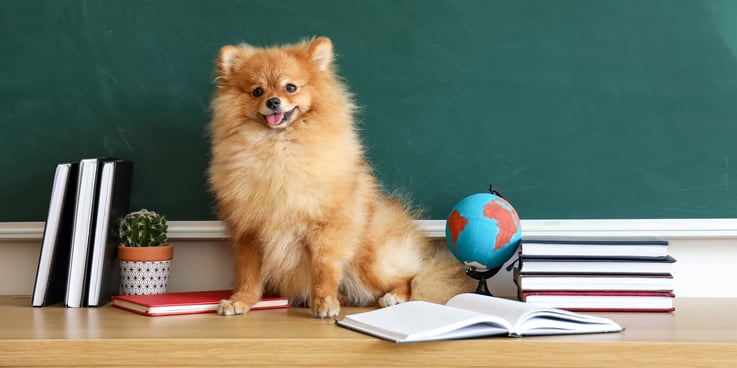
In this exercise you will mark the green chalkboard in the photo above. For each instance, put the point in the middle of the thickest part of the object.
(574, 109)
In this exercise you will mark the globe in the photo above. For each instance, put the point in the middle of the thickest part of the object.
(483, 231)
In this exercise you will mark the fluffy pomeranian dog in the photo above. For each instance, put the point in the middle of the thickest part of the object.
(306, 215)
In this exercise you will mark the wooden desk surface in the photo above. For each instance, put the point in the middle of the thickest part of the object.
(701, 333)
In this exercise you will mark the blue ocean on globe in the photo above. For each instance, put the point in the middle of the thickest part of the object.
(483, 231)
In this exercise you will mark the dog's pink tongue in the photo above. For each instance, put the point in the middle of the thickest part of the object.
(275, 119)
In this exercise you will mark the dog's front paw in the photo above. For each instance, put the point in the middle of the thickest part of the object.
(232, 307)
(388, 300)
(325, 307)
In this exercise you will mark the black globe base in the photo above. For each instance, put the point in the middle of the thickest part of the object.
(482, 276)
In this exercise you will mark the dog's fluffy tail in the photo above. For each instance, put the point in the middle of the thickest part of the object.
(441, 277)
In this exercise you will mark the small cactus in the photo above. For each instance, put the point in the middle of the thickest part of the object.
(143, 228)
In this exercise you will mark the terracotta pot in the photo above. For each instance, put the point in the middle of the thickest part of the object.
(145, 270)
(146, 254)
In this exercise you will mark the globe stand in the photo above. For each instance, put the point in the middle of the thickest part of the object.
(482, 276)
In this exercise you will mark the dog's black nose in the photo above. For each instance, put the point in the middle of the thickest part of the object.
(273, 103)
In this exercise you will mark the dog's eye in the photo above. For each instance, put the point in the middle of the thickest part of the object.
(257, 92)
(290, 88)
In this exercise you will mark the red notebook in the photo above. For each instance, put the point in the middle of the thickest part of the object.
(186, 302)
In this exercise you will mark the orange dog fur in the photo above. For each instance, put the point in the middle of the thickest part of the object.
(305, 213)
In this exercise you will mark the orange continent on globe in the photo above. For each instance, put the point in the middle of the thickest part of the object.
(507, 225)
(456, 224)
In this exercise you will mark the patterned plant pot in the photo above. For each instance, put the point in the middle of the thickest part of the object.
(144, 270)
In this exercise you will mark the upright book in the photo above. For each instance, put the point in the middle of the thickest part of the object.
(53, 261)
(84, 223)
(191, 302)
(112, 204)
(469, 316)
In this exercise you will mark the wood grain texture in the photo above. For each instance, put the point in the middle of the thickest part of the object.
(701, 333)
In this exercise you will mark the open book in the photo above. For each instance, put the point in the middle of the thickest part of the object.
(472, 315)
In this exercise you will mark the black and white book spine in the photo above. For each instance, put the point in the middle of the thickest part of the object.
(113, 203)
(84, 223)
(53, 261)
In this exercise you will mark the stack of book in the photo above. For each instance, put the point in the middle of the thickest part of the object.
(77, 263)
(596, 273)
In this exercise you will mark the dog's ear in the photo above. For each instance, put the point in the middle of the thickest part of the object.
(226, 60)
(230, 57)
(321, 52)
